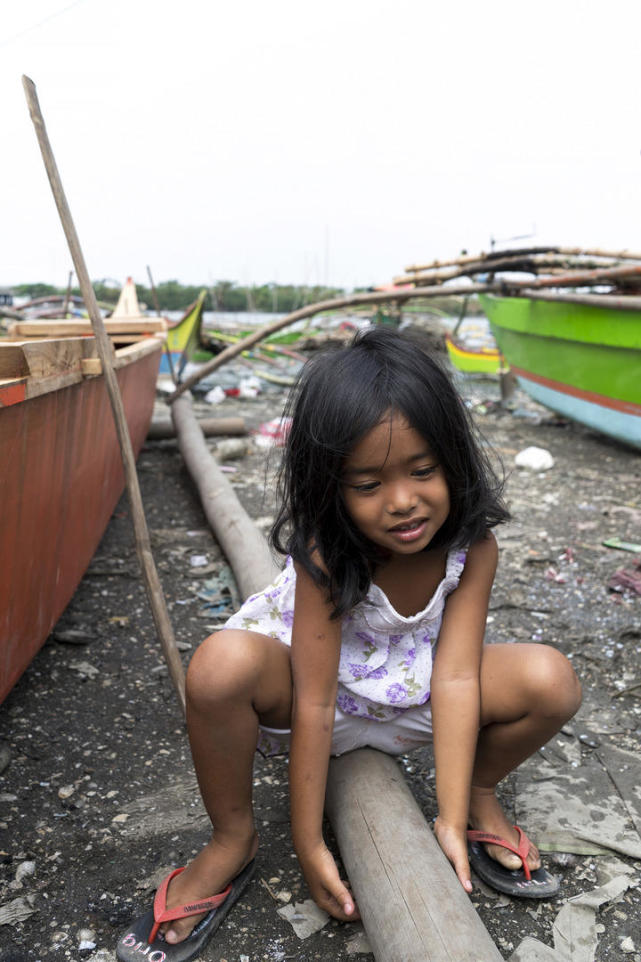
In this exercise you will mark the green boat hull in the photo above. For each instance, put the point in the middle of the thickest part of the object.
(583, 361)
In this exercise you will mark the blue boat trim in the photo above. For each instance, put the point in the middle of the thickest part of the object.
(618, 424)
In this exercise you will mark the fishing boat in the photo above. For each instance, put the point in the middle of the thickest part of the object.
(579, 356)
(475, 360)
(185, 339)
(61, 473)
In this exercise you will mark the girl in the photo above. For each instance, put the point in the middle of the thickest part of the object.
(371, 636)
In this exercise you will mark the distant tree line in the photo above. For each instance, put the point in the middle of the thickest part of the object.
(221, 296)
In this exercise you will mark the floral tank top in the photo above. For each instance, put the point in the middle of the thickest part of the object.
(386, 658)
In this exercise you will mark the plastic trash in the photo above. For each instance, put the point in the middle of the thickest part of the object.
(273, 433)
(215, 396)
(534, 459)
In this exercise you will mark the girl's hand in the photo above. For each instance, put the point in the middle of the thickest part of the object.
(327, 888)
(453, 842)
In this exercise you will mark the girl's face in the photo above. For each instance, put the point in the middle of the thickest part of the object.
(394, 489)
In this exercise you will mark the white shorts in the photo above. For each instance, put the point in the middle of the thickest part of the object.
(410, 729)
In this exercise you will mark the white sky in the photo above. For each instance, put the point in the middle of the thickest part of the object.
(333, 142)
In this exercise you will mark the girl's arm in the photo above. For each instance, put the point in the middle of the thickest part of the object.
(316, 641)
(456, 700)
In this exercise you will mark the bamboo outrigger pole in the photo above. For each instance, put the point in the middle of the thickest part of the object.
(103, 344)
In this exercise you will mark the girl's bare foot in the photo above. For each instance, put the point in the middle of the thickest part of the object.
(210, 872)
(486, 815)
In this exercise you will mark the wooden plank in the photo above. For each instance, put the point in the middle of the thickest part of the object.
(92, 366)
(151, 325)
(41, 358)
(413, 907)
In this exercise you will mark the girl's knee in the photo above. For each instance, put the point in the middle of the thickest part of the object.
(222, 666)
(556, 688)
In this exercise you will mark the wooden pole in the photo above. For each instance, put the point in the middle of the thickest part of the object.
(495, 255)
(103, 344)
(211, 427)
(412, 904)
(65, 306)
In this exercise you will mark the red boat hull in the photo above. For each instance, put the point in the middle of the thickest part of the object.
(61, 476)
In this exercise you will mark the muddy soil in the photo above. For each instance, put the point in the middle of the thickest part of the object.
(98, 797)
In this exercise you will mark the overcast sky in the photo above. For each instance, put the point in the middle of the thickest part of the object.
(333, 142)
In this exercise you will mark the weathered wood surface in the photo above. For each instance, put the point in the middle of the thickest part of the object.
(243, 544)
(143, 543)
(413, 906)
(61, 328)
(163, 429)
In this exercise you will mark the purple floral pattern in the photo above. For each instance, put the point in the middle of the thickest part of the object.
(386, 658)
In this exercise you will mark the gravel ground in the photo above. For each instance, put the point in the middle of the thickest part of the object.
(98, 793)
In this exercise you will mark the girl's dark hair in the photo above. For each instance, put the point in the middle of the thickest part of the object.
(340, 396)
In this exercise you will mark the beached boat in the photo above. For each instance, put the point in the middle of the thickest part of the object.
(61, 472)
(476, 360)
(185, 339)
(578, 356)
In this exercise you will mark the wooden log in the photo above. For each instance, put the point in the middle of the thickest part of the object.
(411, 902)
(141, 532)
(243, 544)
(413, 906)
(211, 427)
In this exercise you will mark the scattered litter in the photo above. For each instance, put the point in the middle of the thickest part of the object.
(575, 935)
(586, 810)
(220, 593)
(16, 911)
(534, 459)
(84, 669)
(626, 579)
(24, 870)
(531, 950)
(273, 433)
(249, 387)
(231, 448)
(198, 560)
(215, 396)
(304, 917)
(622, 545)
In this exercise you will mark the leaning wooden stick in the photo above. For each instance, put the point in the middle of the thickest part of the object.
(103, 344)
(376, 297)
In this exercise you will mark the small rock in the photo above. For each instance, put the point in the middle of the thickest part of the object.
(66, 791)
(627, 945)
(73, 636)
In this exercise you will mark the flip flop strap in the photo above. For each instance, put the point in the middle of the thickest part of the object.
(163, 914)
(523, 847)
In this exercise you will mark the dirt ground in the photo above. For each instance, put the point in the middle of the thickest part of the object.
(98, 797)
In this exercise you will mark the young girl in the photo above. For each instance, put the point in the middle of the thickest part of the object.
(371, 636)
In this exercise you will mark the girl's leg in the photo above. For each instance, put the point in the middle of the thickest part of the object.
(528, 692)
(235, 679)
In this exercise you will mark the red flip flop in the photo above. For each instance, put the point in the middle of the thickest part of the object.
(143, 936)
(522, 882)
